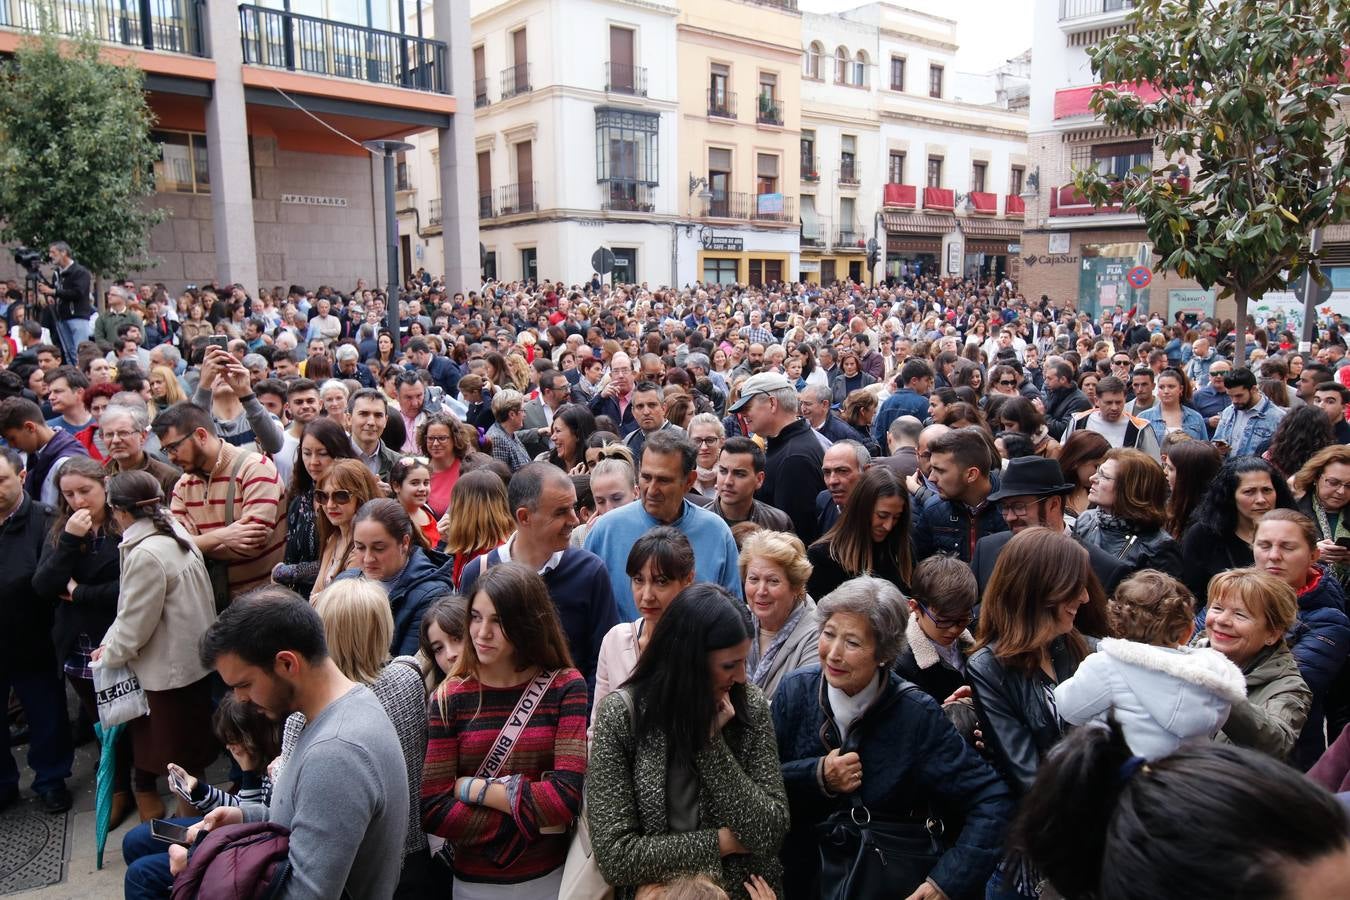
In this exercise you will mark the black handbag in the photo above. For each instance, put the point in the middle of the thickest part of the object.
(865, 856)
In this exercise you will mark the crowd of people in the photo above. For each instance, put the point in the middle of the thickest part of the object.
(925, 590)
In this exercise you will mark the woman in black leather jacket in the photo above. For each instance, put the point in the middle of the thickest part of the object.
(1040, 606)
(1129, 493)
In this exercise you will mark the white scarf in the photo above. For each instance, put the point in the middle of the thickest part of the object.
(848, 710)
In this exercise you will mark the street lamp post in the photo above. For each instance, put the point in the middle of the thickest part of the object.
(387, 149)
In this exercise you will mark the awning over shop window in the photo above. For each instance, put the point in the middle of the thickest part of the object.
(917, 222)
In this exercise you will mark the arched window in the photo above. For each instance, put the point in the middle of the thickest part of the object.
(860, 69)
(813, 55)
(841, 66)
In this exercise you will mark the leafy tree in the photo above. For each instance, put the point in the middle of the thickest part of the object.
(75, 153)
(1247, 93)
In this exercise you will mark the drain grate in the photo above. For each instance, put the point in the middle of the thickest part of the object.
(32, 848)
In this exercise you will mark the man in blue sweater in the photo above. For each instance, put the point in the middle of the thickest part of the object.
(667, 473)
(543, 501)
(915, 383)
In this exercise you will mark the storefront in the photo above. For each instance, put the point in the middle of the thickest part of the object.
(914, 243)
(735, 259)
(986, 247)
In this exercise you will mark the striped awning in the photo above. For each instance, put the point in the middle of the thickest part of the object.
(918, 222)
(991, 228)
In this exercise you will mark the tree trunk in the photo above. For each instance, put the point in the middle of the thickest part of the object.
(1240, 328)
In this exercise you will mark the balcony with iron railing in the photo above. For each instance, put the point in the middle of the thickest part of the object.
(513, 199)
(850, 238)
(721, 104)
(770, 111)
(485, 210)
(169, 25)
(774, 208)
(1073, 10)
(480, 93)
(815, 234)
(810, 168)
(286, 40)
(900, 196)
(516, 80)
(848, 174)
(625, 78)
(727, 205)
(624, 195)
(434, 211)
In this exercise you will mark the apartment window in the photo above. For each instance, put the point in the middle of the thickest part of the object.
(621, 55)
(480, 94)
(484, 159)
(840, 66)
(860, 70)
(766, 174)
(770, 110)
(935, 81)
(813, 54)
(978, 172)
(848, 159)
(808, 144)
(181, 167)
(719, 180)
(848, 220)
(1016, 179)
(935, 171)
(897, 73)
(719, 99)
(1116, 160)
(895, 168)
(627, 145)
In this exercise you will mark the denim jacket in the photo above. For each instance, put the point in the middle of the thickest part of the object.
(1256, 437)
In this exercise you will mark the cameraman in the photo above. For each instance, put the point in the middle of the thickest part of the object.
(74, 303)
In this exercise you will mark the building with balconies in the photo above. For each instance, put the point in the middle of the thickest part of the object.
(261, 111)
(739, 137)
(573, 151)
(1071, 250)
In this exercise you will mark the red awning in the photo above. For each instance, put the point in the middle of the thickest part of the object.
(1077, 101)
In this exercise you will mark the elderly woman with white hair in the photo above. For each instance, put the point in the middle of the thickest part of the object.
(860, 745)
(334, 396)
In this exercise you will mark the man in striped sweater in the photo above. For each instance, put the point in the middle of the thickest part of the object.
(229, 498)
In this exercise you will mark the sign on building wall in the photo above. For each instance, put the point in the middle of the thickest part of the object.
(1104, 284)
(1190, 303)
(955, 252)
(1059, 243)
(1287, 308)
(313, 200)
(721, 242)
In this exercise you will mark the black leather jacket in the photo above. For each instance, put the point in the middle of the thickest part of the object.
(1019, 724)
(1151, 548)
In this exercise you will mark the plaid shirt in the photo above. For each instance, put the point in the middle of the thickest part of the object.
(758, 334)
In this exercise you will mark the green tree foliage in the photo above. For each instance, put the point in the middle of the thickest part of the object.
(1250, 91)
(75, 153)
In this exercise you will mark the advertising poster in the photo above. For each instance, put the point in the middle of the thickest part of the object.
(1102, 283)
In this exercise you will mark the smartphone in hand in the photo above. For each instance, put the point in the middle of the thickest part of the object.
(178, 781)
(169, 833)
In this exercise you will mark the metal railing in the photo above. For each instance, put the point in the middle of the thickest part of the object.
(480, 95)
(722, 103)
(728, 205)
(516, 80)
(485, 210)
(848, 174)
(774, 208)
(814, 235)
(171, 25)
(847, 238)
(434, 211)
(810, 168)
(625, 78)
(283, 40)
(1083, 9)
(517, 198)
(770, 111)
(627, 196)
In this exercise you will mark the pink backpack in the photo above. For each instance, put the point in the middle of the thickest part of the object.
(237, 862)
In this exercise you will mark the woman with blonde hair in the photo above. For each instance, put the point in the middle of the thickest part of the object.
(342, 490)
(333, 396)
(478, 520)
(165, 390)
(1322, 489)
(774, 572)
(358, 629)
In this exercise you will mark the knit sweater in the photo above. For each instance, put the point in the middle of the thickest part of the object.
(199, 504)
(716, 558)
(546, 769)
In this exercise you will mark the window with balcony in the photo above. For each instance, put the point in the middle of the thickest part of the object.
(766, 174)
(895, 168)
(624, 77)
(770, 110)
(480, 82)
(1016, 178)
(1115, 160)
(402, 181)
(840, 66)
(811, 65)
(848, 160)
(810, 166)
(719, 92)
(181, 168)
(897, 73)
(935, 81)
(627, 157)
(848, 223)
(719, 181)
(978, 176)
(516, 78)
(934, 172)
(485, 206)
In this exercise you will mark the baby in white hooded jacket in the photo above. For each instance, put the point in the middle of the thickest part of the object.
(1161, 692)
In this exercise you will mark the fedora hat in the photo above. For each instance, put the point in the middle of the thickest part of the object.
(1031, 476)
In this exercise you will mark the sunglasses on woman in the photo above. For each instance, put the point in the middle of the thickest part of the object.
(338, 497)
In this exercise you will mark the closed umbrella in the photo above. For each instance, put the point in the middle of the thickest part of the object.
(103, 785)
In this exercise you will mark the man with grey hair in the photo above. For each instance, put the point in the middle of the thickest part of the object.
(841, 468)
(814, 405)
(543, 504)
(793, 454)
(124, 428)
(116, 315)
(256, 364)
(348, 360)
(902, 440)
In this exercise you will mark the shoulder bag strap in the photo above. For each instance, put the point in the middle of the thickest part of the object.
(515, 724)
(234, 481)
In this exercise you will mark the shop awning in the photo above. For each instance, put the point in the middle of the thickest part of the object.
(991, 228)
(917, 222)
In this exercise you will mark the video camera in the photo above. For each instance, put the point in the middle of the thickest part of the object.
(28, 258)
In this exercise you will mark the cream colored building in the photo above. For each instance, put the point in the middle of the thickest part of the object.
(738, 64)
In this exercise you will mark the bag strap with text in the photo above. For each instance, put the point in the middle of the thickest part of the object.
(515, 724)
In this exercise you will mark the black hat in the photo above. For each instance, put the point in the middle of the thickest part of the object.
(1031, 476)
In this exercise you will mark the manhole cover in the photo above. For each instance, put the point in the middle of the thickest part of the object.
(32, 848)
